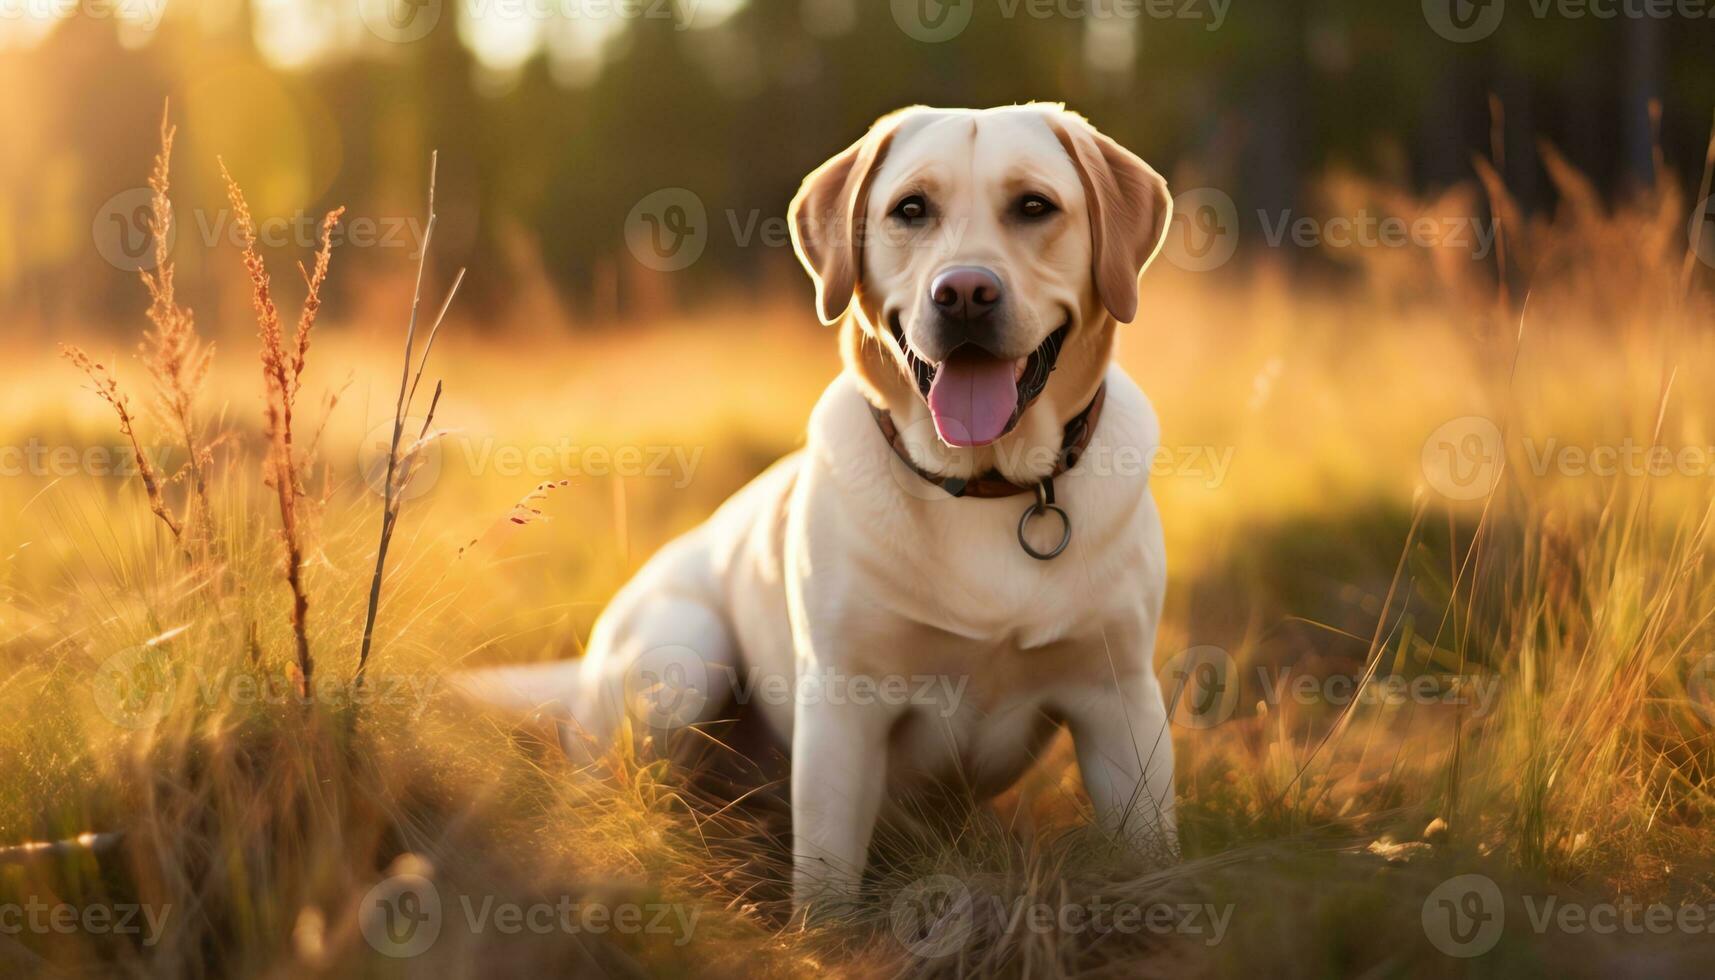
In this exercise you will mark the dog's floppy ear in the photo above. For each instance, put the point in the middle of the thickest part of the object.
(827, 216)
(1129, 211)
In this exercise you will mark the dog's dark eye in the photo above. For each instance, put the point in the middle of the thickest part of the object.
(1035, 206)
(912, 208)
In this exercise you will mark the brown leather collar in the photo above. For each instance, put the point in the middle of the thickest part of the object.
(1073, 441)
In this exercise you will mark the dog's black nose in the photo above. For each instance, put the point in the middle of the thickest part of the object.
(965, 292)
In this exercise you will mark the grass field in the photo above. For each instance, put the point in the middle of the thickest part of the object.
(1454, 600)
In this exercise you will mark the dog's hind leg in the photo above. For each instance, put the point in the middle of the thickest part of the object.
(664, 654)
(661, 657)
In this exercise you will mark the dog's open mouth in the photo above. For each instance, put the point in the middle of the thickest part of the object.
(974, 397)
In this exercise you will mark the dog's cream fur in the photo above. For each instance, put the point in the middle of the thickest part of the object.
(839, 566)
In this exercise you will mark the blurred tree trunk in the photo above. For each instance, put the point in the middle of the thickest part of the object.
(1279, 117)
(1642, 75)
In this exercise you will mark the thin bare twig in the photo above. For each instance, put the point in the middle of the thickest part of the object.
(399, 464)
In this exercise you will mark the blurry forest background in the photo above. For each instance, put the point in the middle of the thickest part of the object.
(555, 117)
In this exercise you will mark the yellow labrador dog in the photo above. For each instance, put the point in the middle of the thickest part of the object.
(959, 561)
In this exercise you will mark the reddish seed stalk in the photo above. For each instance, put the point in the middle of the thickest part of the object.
(107, 387)
(282, 368)
(175, 356)
(177, 362)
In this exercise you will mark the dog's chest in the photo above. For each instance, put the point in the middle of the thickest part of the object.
(979, 714)
(967, 741)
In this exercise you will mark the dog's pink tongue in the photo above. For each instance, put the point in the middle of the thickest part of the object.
(972, 399)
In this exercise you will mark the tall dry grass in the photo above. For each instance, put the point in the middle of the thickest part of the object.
(176, 360)
(282, 375)
(403, 458)
(157, 710)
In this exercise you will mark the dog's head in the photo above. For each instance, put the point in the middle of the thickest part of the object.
(977, 252)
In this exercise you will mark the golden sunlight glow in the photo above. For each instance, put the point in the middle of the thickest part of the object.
(291, 34)
(24, 23)
(502, 35)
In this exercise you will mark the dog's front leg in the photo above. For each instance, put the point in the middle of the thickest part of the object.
(839, 771)
(1125, 753)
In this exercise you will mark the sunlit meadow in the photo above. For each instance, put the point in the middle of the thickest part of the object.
(1403, 473)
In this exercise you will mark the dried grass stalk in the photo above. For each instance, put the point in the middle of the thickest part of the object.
(176, 358)
(107, 387)
(282, 370)
(401, 463)
(177, 362)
